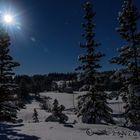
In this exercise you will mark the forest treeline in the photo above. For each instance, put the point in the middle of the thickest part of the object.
(40, 83)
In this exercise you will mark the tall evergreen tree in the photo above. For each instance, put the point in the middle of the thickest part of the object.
(93, 105)
(129, 58)
(7, 86)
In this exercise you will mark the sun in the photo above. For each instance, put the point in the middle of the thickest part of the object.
(8, 18)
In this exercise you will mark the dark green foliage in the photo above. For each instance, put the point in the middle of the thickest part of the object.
(40, 83)
(35, 116)
(57, 113)
(89, 60)
(55, 108)
(129, 58)
(93, 106)
(110, 84)
(25, 88)
(8, 88)
(62, 76)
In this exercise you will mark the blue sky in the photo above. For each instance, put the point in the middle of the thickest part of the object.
(47, 38)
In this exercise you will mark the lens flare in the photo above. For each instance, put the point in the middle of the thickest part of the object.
(8, 19)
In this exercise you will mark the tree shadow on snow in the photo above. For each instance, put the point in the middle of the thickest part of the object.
(119, 115)
(8, 132)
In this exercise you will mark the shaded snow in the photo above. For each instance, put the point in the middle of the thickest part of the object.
(56, 131)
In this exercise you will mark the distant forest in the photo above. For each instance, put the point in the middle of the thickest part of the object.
(40, 83)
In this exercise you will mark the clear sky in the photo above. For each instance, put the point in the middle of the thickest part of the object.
(46, 38)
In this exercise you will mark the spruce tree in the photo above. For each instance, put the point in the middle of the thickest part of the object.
(35, 116)
(8, 88)
(92, 106)
(55, 109)
(129, 58)
(57, 113)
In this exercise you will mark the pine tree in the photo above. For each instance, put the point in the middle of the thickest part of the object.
(57, 113)
(8, 88)
(55, 108)
(24, 93)
(35, 116)
(129, 58)
(92, 106)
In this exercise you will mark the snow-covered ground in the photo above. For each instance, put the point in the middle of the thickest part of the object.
(27, 130)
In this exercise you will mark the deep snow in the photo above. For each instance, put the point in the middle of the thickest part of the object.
(27, 130)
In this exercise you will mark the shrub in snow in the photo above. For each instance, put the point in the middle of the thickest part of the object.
(35, 116)
(92, 106)
(57, 113)
(46, 104)
(129, 58)
(75, 121)
(52, 118)
(68, 125)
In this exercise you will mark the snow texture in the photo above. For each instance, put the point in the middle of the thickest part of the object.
(27, 130)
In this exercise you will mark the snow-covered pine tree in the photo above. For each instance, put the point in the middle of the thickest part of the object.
(35, 116)
(63, 117)
(92, 106)
(129, 58)
(8, 88)
(57, 113)
(55, 109)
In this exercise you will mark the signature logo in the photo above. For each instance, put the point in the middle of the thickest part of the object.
(112, 132)
(89, 132)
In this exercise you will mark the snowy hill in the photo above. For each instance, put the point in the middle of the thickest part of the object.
(27, 130)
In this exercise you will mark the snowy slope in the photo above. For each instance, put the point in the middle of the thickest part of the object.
(28, 130)
(63, 98)
(26, 114)
(55, 131)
